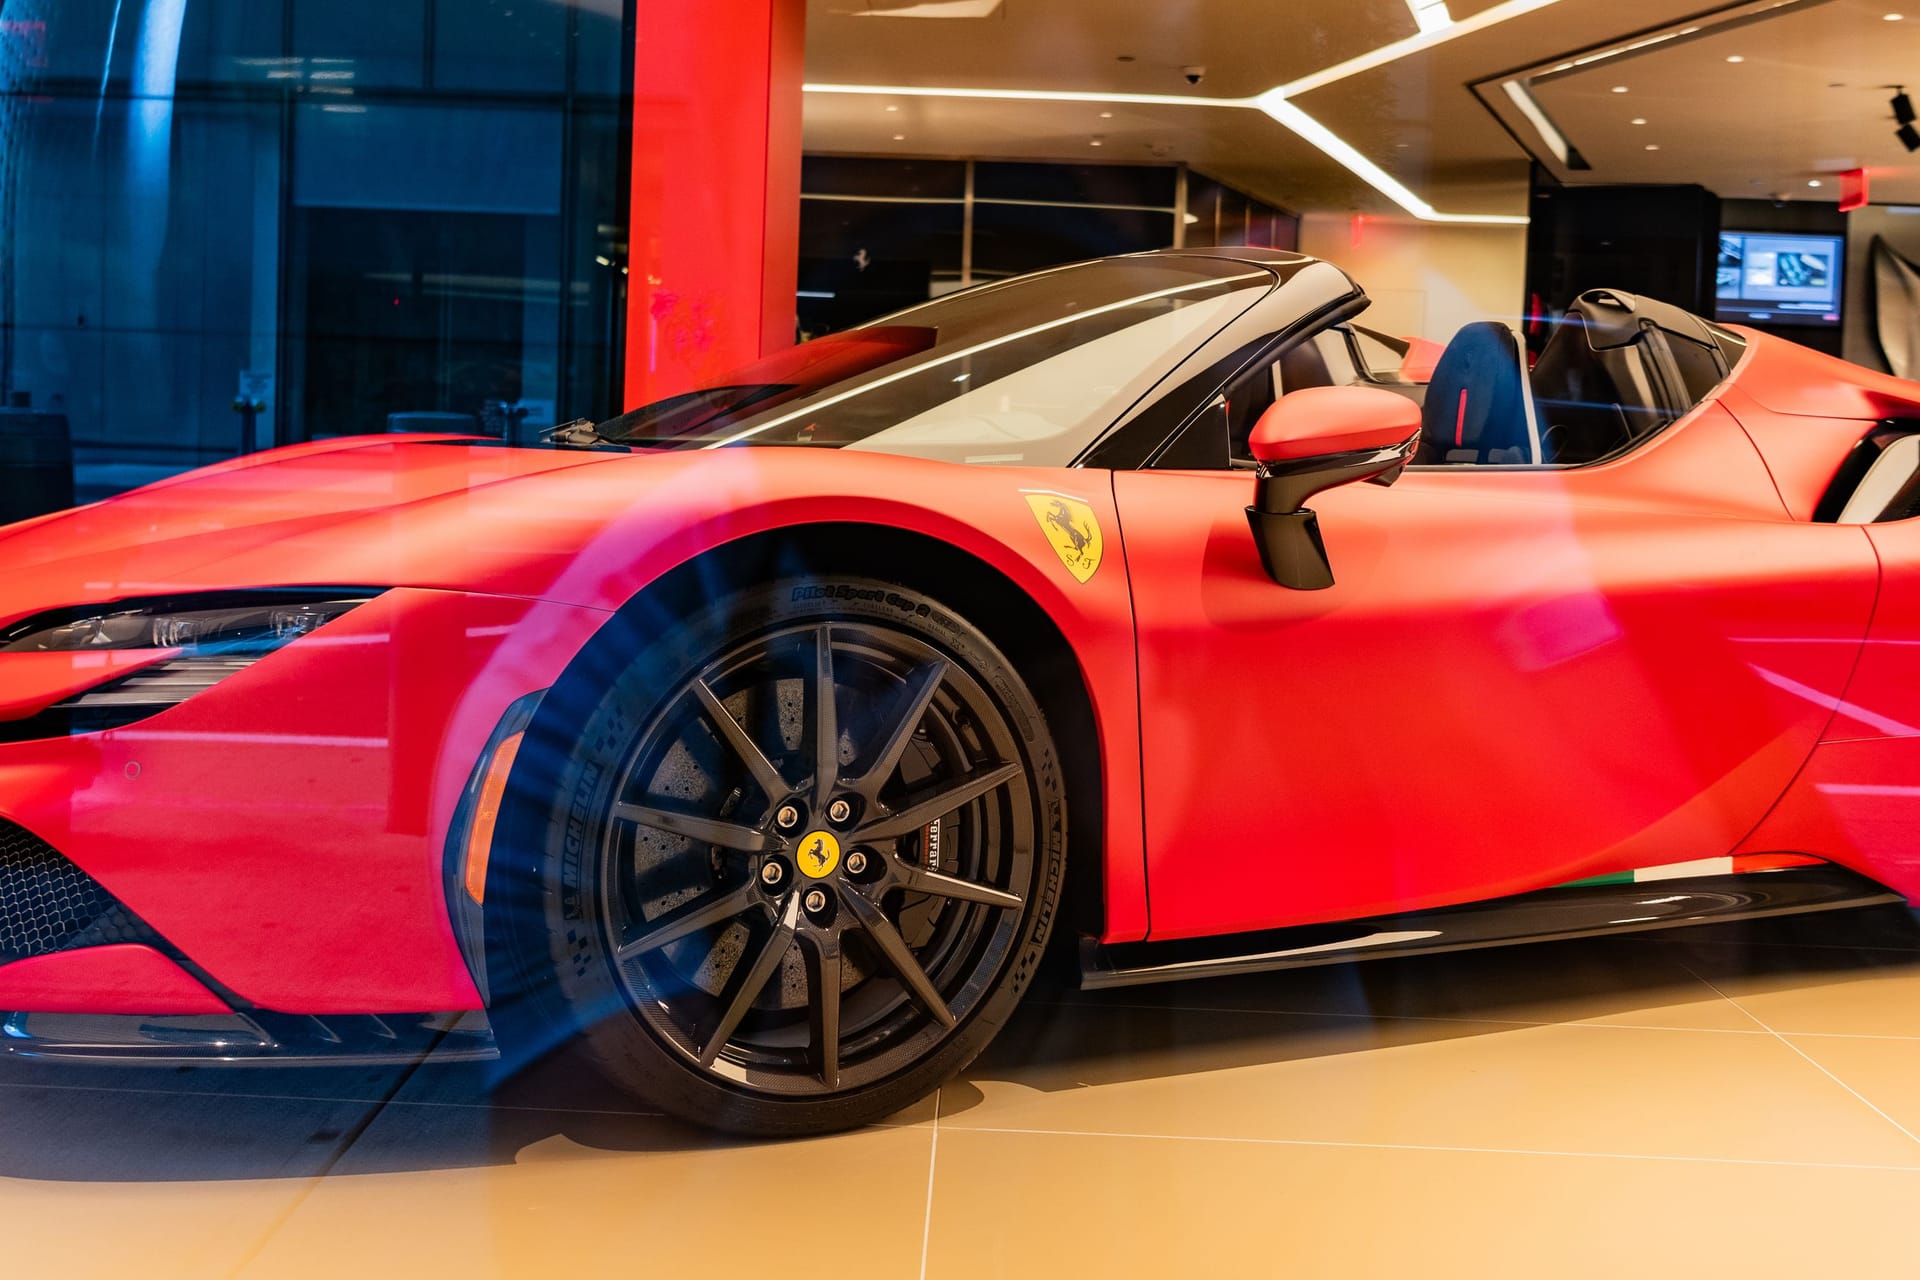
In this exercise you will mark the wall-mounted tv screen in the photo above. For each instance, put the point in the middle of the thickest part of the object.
(1767, 277)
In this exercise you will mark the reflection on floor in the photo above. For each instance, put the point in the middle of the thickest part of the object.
(1737, 1100)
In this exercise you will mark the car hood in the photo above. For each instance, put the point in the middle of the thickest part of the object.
(589, 528)
(217, 527)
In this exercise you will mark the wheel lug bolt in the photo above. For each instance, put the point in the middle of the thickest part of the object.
(856, 862)
(786, 818)
(839, 811)
(770, 873)
(816, 901)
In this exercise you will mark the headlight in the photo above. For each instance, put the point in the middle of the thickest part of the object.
(209, 638)
(196, 627)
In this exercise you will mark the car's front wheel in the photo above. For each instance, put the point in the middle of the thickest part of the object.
(802, 857)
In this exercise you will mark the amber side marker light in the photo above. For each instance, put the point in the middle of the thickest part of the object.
(486, 814)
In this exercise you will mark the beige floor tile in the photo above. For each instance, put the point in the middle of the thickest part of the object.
(1829, 991)
(1610, 1089)
(1357, 1120)
(191, 1230)
(151, 1183)
(1580, 981)
(1117, 1208)
(1884, 1072)
(470, 1191)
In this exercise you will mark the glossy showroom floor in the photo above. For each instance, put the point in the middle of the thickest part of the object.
(1743, 1100)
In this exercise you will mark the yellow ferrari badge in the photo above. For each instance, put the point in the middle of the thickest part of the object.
(1072, 528)
(819, 854)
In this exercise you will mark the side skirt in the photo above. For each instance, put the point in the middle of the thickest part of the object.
(256, 1038)
(1576, 911)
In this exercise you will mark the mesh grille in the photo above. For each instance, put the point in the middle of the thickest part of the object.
(49, 904)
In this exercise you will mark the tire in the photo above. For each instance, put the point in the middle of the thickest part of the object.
(694, 904)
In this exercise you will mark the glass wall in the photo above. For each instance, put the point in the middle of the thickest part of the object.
(878, 234)
(226, 224)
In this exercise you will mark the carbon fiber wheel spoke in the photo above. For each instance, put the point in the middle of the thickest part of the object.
(921, 881)
(824, 976)
(727, 835)
(919, 812)
(764, 775)
(826, 720)
(887, 940)
(746, 990)
(702, 913)
(918, 697)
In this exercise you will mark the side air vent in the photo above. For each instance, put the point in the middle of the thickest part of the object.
(1879, 480)
(49, 904)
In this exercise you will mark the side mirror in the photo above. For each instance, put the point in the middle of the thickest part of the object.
(1313, 440)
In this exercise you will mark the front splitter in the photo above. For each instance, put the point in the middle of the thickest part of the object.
(248, 1039)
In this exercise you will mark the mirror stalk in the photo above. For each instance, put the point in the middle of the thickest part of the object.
(1286, 532)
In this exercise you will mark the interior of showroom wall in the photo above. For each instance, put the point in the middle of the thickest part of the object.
(1425, 279)
(1899, 227)
(1357, 116)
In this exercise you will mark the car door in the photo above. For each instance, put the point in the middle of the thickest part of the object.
(1520, 677)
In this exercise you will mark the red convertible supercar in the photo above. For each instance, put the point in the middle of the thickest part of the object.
(768, 771)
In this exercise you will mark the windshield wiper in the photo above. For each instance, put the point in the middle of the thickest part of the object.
(580, 434)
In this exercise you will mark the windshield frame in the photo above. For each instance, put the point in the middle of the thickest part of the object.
(1237, 282)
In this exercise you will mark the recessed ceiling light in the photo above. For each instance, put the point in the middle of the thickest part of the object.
(1638, 120)
(1619, 88)
(1813, 182)
(1734, 57)
(893, 108)
(1094, 142)
(1106, 115)
(1430, 15)
(1653, 146)
(1892, 17)
(899, 137)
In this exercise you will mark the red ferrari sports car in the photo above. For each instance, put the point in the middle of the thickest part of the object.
(759, 739)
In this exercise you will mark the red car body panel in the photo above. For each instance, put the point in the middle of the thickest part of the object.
(119, 978)
(1858, 797)
(1856, 802)
(287, 828)
(1521, 677)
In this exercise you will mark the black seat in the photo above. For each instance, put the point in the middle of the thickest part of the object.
(1478, 406)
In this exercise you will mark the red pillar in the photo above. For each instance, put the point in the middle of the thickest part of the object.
(716, 189)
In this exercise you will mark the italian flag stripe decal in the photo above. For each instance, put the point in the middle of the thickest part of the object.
(1739, 864)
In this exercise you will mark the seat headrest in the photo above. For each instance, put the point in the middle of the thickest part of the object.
(1478, 406)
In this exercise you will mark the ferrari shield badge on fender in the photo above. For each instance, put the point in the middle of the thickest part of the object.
(1072, 528)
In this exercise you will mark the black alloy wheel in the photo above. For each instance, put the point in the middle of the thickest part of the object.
(809, 850)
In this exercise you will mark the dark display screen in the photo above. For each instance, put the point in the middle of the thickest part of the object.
(1775, 278)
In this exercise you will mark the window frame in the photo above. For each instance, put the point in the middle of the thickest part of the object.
(1263, 353)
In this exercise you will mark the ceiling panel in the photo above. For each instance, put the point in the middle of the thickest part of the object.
(1770, 123)
(1806, 100)
(1245, 45)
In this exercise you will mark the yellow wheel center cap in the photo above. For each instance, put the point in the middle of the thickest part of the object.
(818, 855)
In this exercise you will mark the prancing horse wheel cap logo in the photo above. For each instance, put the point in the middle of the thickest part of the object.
(819, 854)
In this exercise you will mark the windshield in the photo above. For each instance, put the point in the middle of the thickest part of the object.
(1026, 372)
